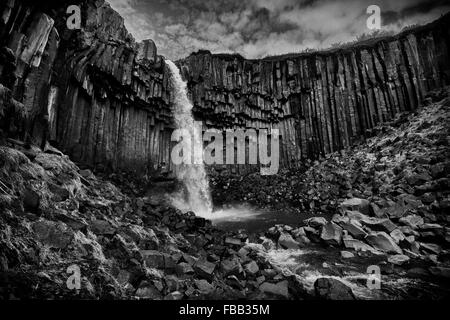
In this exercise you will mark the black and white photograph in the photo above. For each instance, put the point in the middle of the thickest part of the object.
(219, 156)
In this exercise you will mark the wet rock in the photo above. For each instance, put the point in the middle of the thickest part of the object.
(331, 234)
(332, 289)
(316, 222)
(382, 241)
(357, 204)
(278, 290)
(287, 242)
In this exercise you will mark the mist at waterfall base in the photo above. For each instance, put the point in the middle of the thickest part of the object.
(194, 194)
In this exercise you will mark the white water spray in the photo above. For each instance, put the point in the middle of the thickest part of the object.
(195, 195)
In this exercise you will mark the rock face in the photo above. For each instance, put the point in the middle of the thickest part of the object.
(325, 101)
(98, 94)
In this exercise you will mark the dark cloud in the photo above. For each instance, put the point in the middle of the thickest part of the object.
(257, 28)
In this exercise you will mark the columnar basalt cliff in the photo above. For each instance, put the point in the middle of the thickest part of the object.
(103, 95)
(104, 99)
(324, 101)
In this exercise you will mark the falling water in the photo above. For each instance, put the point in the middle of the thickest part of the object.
(195, 195)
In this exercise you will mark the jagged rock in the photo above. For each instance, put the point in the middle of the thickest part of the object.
(430, 247)
(380, 224)
(205, 269)
(331, 234)
(413, 221)
(332, 289)
(184, 268)
(251, 268)
(382, 241)
(357, 245)
(354, 229)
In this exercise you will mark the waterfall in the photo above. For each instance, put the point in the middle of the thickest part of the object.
(195, 195)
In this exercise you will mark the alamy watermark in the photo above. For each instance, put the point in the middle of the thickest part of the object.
(241, 147)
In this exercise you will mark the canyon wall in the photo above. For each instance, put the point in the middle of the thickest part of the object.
(323, 101)
(94, 92)
(105, 100)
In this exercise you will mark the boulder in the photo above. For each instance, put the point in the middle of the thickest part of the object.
(332, 289)
(251, 268)
(204, 269)
(287, 242)
(383, 242)
(331, 234)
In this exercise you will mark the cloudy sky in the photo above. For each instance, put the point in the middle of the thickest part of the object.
(257, 28)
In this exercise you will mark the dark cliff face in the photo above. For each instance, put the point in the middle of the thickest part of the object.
(105, 99)
(323, 101)
(104, 95)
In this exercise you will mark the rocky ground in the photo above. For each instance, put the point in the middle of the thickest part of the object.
(385, 203)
